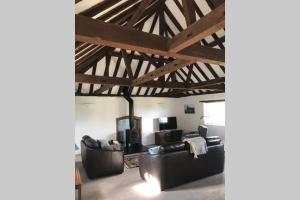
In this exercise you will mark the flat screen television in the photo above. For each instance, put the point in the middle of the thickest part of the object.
(167, 123)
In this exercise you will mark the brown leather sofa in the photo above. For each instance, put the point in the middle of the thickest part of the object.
(175, 165)
(98, 162)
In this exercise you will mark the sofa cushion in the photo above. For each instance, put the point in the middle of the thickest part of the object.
(105, 145)
(171, 147)
(90, 142)
(213, 140)
(190, 135)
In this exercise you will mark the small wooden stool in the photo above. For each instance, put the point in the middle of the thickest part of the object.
(78, 183)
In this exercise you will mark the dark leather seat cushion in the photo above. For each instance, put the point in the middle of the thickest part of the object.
(213, 140)
(171, 147)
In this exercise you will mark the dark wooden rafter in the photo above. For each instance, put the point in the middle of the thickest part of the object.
(162, 32)
(189, 75)
(138, 13)
(217, 41)
(106, 73)
(125, 71)
(190, 47)
(79, 88)
(179, 27)
(146, 71)
(94, 58)
(136, 73)
(136, 16)
(156, 95)
(179, 94)
(80, 54)
(93, 73)
(211, 70)
(190, 18)
(118, 9)
(188, 11)
(155, 19)
(99, 7)
(125, 74)
(87, 61)
(214, 3)
(80, 47)
(106, 80)
(204, 27)
(101, 33)
(124, 17)
(127, 63)
(201, 71)
(168, 68)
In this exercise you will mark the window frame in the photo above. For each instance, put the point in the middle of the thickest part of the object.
(205, 121)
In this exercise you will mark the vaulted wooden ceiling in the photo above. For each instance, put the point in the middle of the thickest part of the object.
(162, 48)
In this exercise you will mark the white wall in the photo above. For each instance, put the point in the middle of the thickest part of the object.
(96, 116)
(190, 122)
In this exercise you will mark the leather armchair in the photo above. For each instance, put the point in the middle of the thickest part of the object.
(98, 162)
(178, 167)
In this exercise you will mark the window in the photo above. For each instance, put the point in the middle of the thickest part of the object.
(214, 113)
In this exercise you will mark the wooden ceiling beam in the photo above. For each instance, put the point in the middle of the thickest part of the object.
(214, 88)
(103, 88)
(84, 66)
(127, 64)
(214, 3)
(120, 95)
(116, 10)
(189, 11)
(101, 33)
(93, 73)
(202, 28)
(139, 12)
(168, 68)
(105, 80)
(99, 7)
(142, 6)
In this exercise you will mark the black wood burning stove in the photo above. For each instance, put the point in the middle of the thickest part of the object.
(129, 129)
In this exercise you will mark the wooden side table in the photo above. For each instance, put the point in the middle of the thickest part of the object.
(78, 183)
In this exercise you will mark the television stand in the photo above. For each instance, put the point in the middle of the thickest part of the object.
(167, 136)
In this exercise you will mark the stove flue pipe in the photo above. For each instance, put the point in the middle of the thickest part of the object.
(126, 95)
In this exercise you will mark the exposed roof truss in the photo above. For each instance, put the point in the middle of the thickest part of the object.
(159, 48)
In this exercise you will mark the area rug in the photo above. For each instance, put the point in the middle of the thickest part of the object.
(132, 160)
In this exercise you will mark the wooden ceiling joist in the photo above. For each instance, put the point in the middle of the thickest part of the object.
(202, 28)
(139, 12)
(189, 11)
(114, 28)
(105, 80)
(101, 33)
(168, 68)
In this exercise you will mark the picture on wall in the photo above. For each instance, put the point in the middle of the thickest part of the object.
(189, 109)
